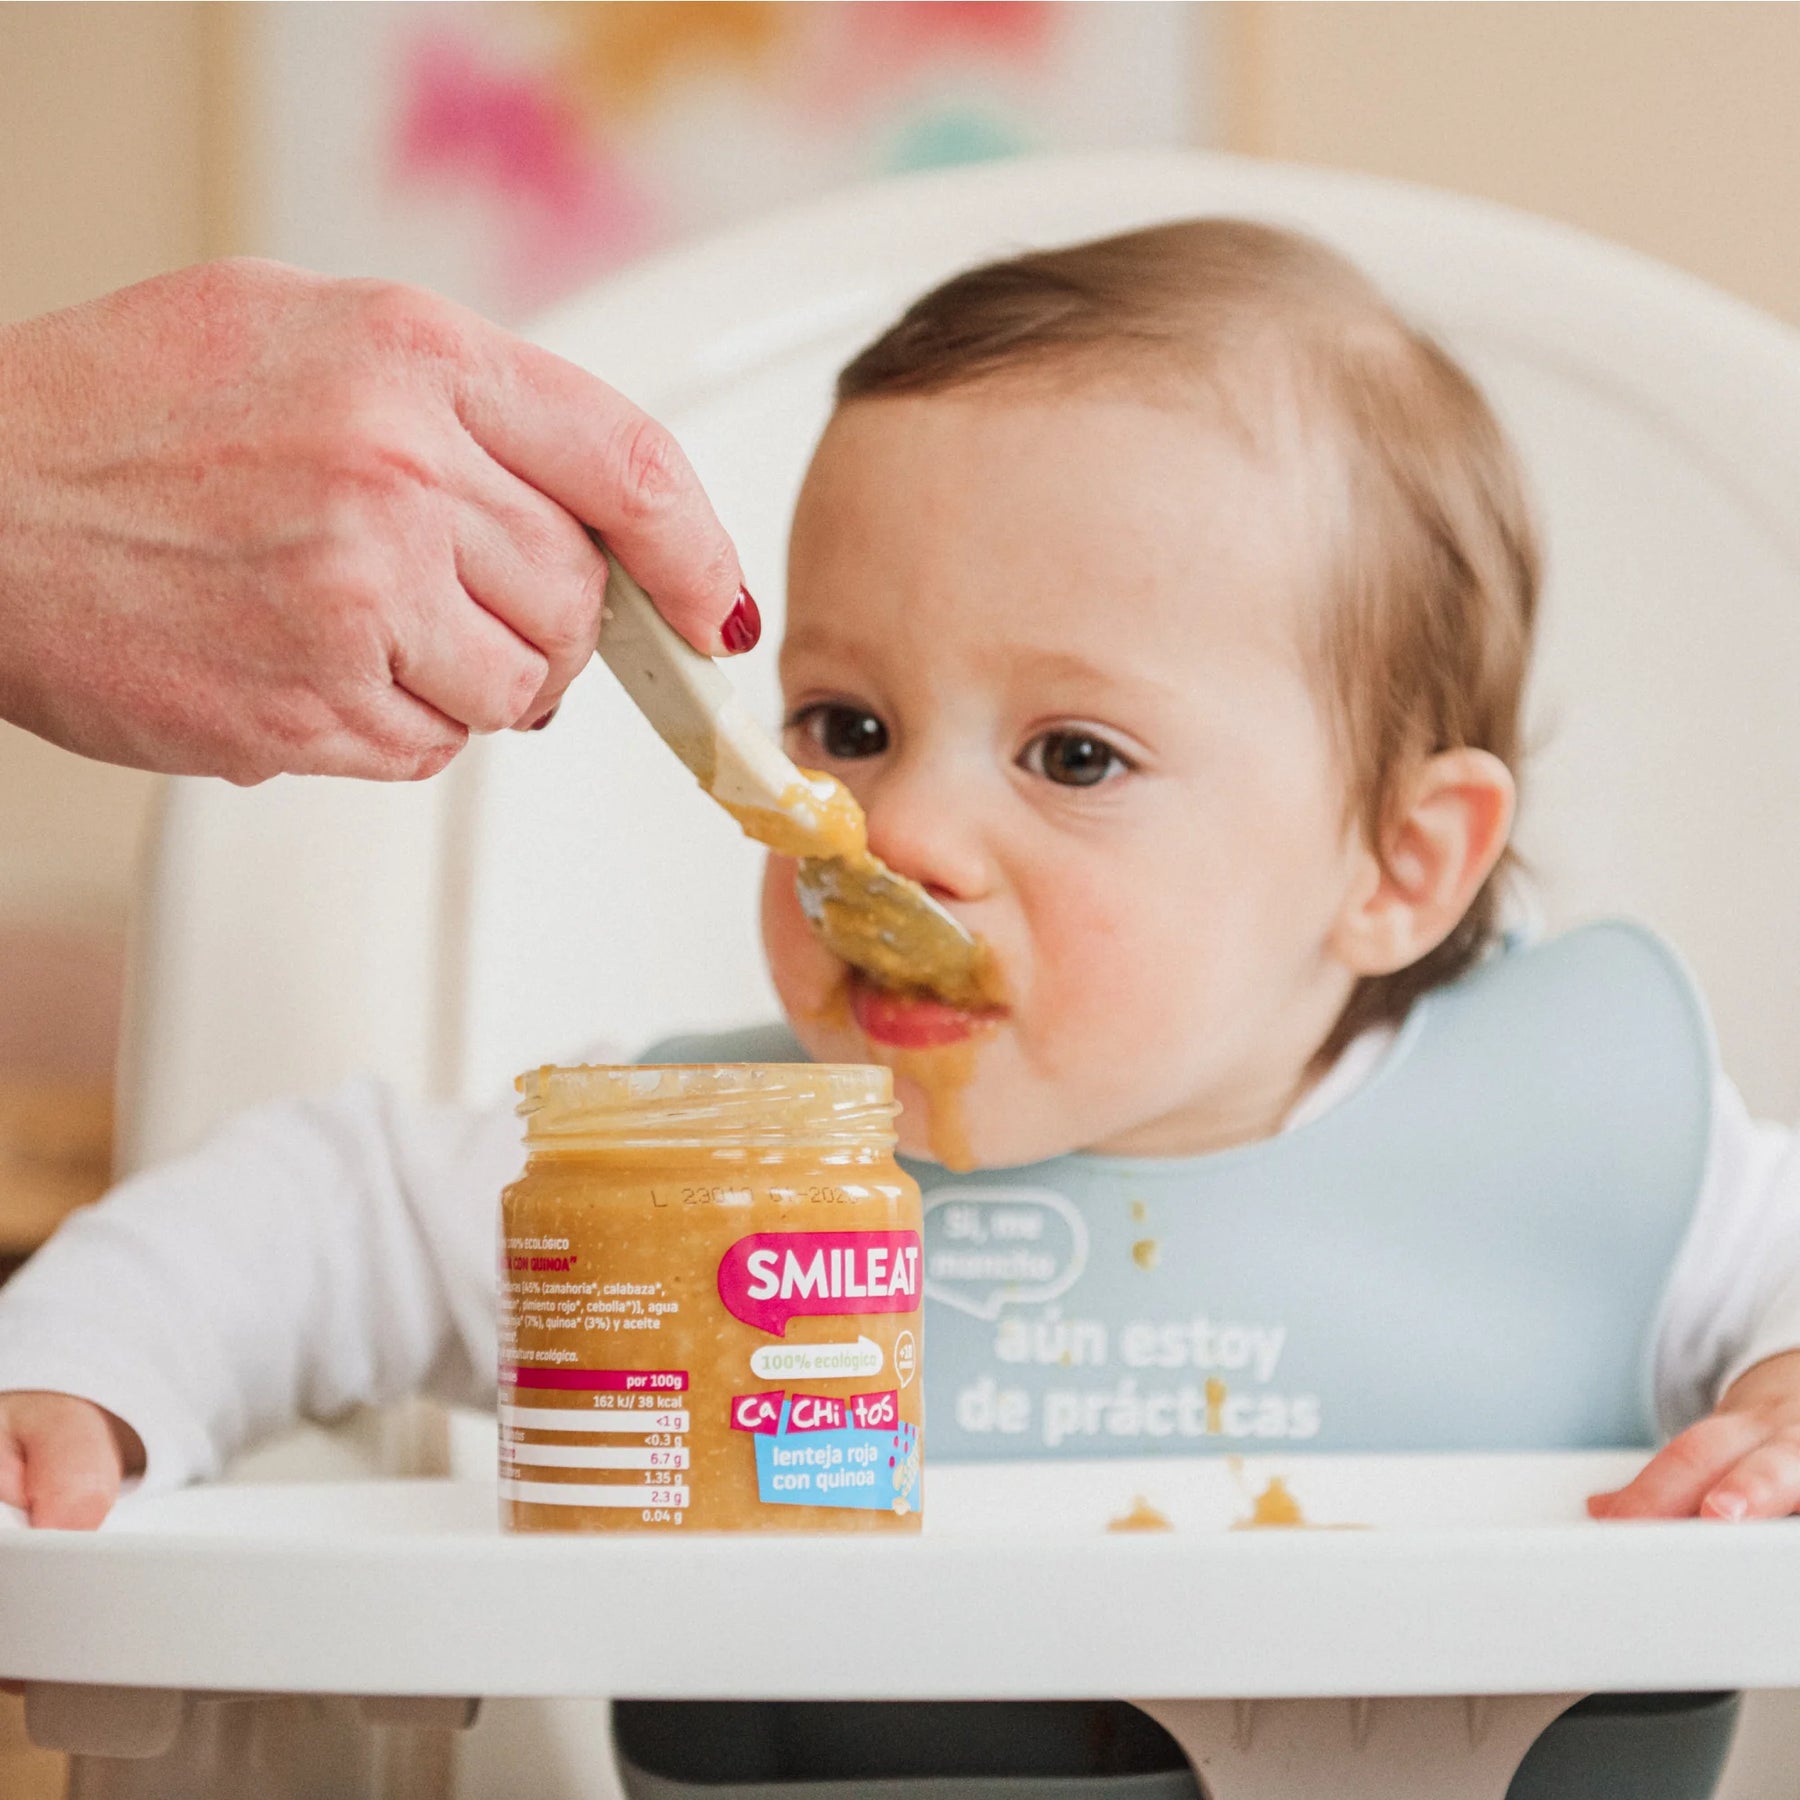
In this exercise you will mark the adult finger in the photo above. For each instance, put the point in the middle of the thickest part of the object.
(1764, 1485)
(464, 662)
(385, 735)
(72, 1470)
(533, 565)
(611, 465)
(1672, 1484)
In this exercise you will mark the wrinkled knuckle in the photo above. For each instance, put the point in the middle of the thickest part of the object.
(210, 286)
(651, 473)
(370, 455)
(420, 764)
(354, 603)
(527, 682)
(398, 320)
(506, 693)
(270, 738)
(255, 766)
(535, 544)
(571, 632)
(408, 746)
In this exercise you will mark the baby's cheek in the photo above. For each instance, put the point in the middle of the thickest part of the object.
(1109, 969)
(806, 975)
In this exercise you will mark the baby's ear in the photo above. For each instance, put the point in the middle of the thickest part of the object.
(1438, 846)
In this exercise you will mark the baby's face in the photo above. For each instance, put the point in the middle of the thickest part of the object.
(1055, 647)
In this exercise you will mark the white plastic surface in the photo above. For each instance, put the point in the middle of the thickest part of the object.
(1477, 1576)
(571, 886)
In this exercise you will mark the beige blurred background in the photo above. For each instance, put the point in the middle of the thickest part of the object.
(1672, 128)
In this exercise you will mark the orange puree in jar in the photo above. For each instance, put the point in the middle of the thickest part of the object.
(710, 1293)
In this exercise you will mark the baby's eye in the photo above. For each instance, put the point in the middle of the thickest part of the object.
(841, 732)
(1073, 759)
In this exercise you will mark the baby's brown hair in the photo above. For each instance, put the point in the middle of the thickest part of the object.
(1435, 561)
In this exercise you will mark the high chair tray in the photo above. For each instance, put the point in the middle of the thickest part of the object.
(1473, 1575)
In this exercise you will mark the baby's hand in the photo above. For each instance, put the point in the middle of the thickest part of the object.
(1741, 1462)
(62, 1459)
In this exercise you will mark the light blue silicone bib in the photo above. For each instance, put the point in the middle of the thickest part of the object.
(1467, 1254)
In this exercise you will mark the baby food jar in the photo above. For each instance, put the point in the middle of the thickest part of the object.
(710, 1291)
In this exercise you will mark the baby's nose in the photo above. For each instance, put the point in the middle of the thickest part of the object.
(923, 828)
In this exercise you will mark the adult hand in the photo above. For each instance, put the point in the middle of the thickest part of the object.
(255, 521)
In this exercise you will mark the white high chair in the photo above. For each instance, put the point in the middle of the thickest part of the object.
(560, 888)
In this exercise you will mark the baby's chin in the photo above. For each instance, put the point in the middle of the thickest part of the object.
(960, 1105)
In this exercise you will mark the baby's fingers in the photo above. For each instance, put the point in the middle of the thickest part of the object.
(12, 1470)
(72, 1471)
(1764, 1485)
(1675, 1480)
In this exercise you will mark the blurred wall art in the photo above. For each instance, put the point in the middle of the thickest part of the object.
(506, 154)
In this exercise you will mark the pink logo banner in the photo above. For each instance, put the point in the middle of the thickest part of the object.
(875, 1412)
(816, 1412)
(774, 1276)
(757, 1412)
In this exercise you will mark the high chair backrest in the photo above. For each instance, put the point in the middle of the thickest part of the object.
(571, 888)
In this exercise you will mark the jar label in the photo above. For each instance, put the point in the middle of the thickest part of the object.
(773, 1276)
(825, 1451)
(713, 1356)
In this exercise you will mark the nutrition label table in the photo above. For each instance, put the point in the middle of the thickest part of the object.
(1414, 1659)
(626, 1431)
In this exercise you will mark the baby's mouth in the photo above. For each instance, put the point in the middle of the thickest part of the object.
(913, 1021)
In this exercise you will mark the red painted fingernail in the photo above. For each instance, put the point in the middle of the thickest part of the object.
(540, 723)
(742, 627)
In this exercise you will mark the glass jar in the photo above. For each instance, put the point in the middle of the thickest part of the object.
(710, 1293)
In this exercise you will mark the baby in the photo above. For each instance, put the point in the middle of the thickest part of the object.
(1166, 601)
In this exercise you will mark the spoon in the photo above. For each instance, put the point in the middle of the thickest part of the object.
(873, 919)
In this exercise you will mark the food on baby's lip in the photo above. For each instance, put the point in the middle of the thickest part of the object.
(940, 1074)
(930, 1044)
(1142, 1517)
(710, 1311)
(938, 1070)
(906, 1019)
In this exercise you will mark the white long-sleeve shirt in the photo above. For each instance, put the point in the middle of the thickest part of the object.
(320, 1254)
